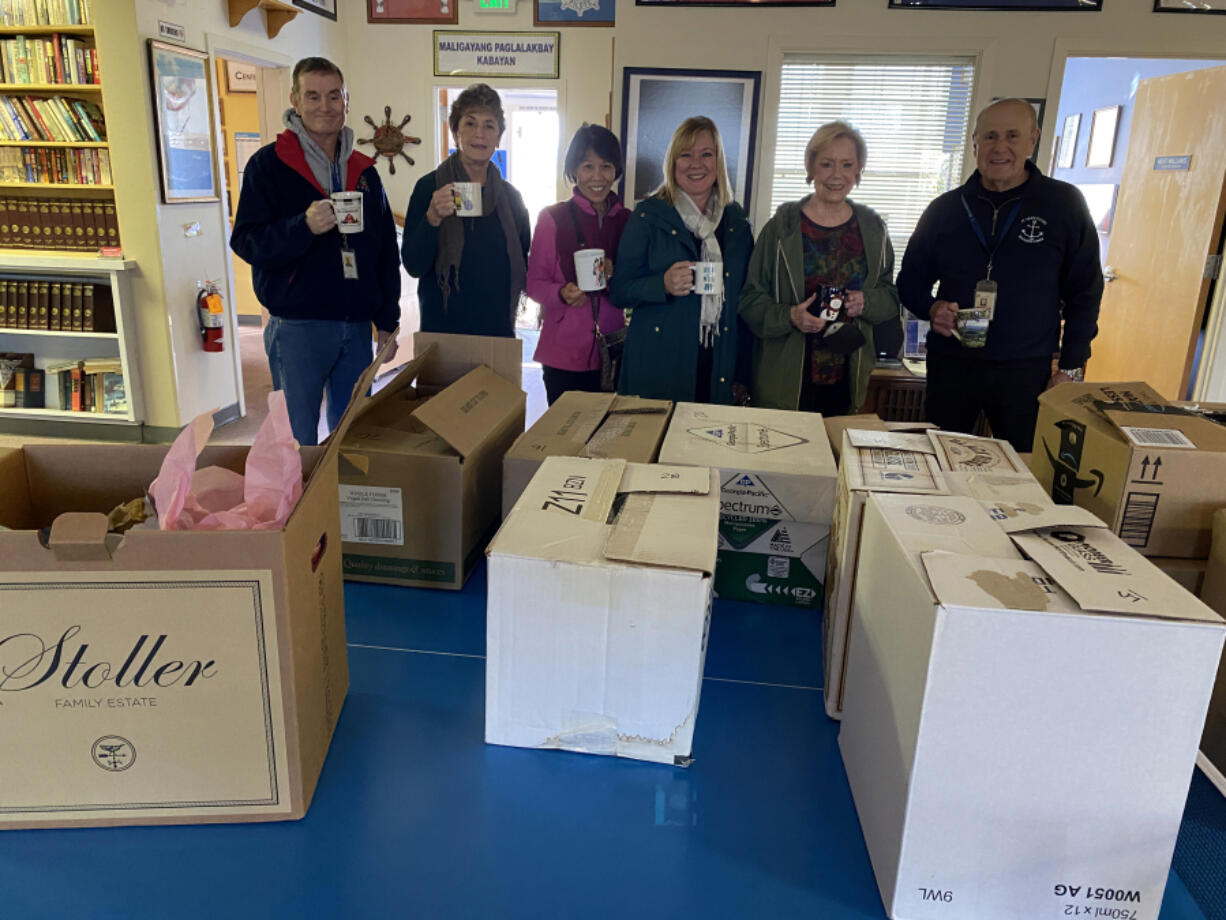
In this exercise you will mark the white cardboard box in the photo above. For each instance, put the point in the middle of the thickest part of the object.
(1019, 736)
(598, 609)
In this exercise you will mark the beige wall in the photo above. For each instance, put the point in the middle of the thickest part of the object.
(390, 64)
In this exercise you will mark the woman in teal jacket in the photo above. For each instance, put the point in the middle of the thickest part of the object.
(681, 344)
(823, 244)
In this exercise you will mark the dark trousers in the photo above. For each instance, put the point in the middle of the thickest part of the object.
(1006, 391)
(827, 399)
(558, 381)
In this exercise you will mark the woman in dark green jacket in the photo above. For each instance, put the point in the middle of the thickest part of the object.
(683, 344)
(824, 248)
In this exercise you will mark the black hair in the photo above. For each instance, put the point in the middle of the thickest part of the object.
(600, 141)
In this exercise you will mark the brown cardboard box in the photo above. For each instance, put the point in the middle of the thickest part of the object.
(837, 424)
(601, 426)
(421, 466)
(1152, 471)
(163, 677)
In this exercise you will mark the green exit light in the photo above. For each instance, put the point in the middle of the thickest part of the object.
(495, 4)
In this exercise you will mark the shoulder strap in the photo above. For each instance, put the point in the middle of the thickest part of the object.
(574, 216)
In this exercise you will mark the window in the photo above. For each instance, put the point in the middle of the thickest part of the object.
(913, 113)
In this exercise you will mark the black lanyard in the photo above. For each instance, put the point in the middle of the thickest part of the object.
(983, 240)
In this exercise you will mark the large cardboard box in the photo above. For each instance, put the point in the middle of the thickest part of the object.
(1154, 472)
(421, 465)
(597, 425)
(1019, 736)
(777, 484)
(163, 677)
(1213, 592)
(598, 610)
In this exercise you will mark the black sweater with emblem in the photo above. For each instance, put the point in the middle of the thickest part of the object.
(1046, 265)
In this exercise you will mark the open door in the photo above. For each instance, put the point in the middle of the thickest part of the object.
(1168, 222)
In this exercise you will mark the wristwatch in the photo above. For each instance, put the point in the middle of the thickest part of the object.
(1077, 374)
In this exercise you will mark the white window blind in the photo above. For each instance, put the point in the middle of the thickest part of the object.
(912, 111)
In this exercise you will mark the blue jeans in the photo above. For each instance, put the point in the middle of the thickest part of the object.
(314, 358)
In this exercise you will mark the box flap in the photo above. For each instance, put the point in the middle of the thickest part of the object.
(1018, 516)
(997, 486)
(967, 453)
(456, 355)
(393, 389)
(632, 434)
(740, 438)
(1103, 573)
(466, 412)
(565, 427)
(656, 477)
(639, 406)
(887, 469)
(667, 529)
(1166, 429)
(893, 440)
(1011, 584)
(944, 522)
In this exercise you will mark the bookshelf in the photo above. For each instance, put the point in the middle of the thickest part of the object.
(53, 348)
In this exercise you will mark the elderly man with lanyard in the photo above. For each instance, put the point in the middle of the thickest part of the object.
(1014, 256)
(323, 288)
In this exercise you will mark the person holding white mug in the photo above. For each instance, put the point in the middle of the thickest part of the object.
(571, 261)
(315, 225)
(685, 342)
(466, 230)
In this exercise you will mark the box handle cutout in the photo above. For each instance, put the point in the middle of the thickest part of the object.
(318, 553)
(79, 537)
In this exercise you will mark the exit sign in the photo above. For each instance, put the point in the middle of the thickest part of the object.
(494, 6)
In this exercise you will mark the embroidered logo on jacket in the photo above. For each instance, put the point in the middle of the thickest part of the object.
(1032, 230)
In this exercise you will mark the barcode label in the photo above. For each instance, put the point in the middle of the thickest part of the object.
(1157, 437)
(370, 514)
(1140, 509)
(778, 566)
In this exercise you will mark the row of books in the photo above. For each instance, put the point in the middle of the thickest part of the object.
(46, 12)
(76, 224)
(55, 165)
(92, 385)
(24, 388)
(48, 59)
(56, 306)
(51, 118)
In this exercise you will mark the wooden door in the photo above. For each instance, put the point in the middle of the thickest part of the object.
(1167, 222)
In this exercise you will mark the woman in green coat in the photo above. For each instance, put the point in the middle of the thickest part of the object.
(683, 344)
(821, 276)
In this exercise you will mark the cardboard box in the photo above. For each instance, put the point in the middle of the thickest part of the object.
(598, 609)
(1155, 473)
(421, 465)
(968, 453)
(1019, 736)
(775, 467)
(596, 425)
(836, 425)
(872, 462)
(1188, 573)
(163, 677)
(1213, 593)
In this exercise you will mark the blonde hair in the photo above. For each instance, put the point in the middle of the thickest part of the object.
(684, 138)
(827, 134)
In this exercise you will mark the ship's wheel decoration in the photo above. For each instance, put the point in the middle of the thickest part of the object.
(389, 140)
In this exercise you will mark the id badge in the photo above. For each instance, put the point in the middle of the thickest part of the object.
(349, 263)
(985, 297)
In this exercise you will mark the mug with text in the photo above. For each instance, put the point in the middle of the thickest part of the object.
(467, 197)
(347, 206)
(589, 270)
(708, 277)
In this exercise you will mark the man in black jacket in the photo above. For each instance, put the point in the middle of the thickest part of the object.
(1020, 250)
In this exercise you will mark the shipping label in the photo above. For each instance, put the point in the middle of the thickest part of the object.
(371, 514)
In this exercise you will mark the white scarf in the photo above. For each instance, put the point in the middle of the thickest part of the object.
(703, 226)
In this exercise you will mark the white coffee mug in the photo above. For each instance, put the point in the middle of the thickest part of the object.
(589, 269)
(348, 209)
(708, 277)
(467, 197)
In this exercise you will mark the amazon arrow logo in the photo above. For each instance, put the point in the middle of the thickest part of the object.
(1066, 461)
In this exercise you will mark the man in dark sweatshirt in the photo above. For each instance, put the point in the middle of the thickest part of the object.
(322, 288)
(1020, 250)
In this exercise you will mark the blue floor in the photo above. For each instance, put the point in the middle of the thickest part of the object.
(416, 817)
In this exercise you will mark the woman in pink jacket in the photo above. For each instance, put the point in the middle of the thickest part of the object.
(593, 218)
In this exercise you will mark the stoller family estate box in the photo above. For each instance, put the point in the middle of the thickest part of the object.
(162, 677)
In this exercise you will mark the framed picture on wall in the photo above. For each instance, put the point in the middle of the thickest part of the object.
(1092, 5)
(1037, 104)
(573, 13)
(436, 12)
(1068, 140)
(180, 80)
(1100, 199)
(655, 101)
(1055, 153)
(322, 7)
(1103, 127)
(1183, 6)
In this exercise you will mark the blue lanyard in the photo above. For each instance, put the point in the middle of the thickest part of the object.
(983, 241)
(337, 183)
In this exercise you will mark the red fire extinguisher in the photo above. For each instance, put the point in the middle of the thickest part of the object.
(212, 317)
